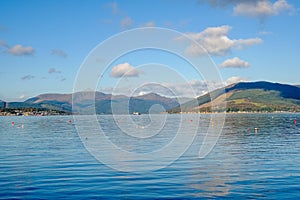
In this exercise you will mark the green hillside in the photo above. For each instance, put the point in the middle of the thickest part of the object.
(261, 100)
(247, 97)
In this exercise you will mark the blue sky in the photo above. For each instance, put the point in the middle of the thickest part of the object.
(44, 43)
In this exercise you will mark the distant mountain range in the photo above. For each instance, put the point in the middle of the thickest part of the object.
(104, 103)
(247, 97)
(244, 96)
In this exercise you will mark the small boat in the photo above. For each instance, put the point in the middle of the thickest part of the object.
(136, 113)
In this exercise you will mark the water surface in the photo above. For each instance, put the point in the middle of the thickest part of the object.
(45, 158)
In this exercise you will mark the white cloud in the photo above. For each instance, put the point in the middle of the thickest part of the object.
(58, 52)
(124, 70)
(242, 43)
(215, 41)
(52, 70)
(27, 77)
(262, 8)
(114, 7)
(235, 63)
(149, 24)
(126, 22)
(224, 3)
(188, 89)
(3, 44)
(265, 33)
(193, 88)
(22, 96)
(19, 50)
(235, 79)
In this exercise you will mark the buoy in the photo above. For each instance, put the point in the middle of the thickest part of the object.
(12, 123)
(191, 120)
(295, 121)
(70, 121)
(249, 129)
(212, 124)
(256, 130)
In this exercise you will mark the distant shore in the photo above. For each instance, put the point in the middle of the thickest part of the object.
(31, 112)
(46, 112)
(202, 113)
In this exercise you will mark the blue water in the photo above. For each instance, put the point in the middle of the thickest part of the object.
(45, 159)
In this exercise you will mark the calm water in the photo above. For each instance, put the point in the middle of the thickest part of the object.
(45, 159)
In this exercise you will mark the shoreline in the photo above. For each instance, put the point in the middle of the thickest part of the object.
(188, 113)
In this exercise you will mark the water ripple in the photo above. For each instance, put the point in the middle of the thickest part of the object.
(43, 158)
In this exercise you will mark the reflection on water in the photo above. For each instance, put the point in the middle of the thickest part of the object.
(46, 159)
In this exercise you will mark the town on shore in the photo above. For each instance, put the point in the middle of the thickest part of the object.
(50, 112)
(31, 112)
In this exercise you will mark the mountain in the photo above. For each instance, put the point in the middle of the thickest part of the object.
(247, 96)
(104, 103)
(244, 96)
(121, 104)
(2, 104)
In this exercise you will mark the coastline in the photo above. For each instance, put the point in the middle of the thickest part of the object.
(56, 113)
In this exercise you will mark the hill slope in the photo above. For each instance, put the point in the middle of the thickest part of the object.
(248, 97)
(104, 103)
(245, 96)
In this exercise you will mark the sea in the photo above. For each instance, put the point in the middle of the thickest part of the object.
(255, 156)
